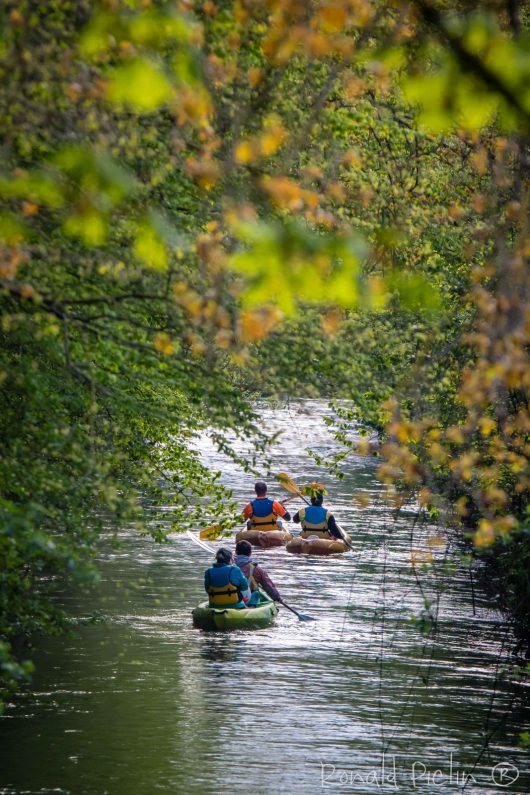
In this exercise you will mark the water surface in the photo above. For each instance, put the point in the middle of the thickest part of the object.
(358, 701)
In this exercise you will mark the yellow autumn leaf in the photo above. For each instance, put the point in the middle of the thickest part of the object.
(272, 139)
(209, 8)
(362, 447)
(254, 76)
(424, 497)
(287, 194)
(455, 434)
(205, 172)
(194, 106)
(223, 338)
(29, 209)
(333, 17)
(403, 432)
(478, 202)
(351, 158)
(196, 343)
(361, 500)
(27, 291)
(455, 211)
(164, 344)
(256, 324)
(331, 321)
(479, 160)
(495, 496)
(244, 152)
(353, 87)
(191, 301)
(421, 557)
(241, 357)
(485, 535)
(487, 425)
(461, 506)
(435, 541)
(316, 487)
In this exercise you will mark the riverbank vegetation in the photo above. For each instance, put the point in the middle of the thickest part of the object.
(201, 202)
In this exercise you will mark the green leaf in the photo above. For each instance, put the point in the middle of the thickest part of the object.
(140, 84)
(35, 186)
(415, 291)
(92, 227)
(12, 232)
(150, 247)
(284, 263)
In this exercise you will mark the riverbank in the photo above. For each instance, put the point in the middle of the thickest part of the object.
(507, 581)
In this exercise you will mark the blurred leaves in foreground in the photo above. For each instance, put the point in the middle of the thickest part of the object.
(205, 202)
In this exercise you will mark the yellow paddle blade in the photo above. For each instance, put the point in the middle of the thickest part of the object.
(212, 532)
(310, 491)
(287, 483)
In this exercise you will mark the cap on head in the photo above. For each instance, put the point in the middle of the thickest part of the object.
(243, 548)
(223, 555)
(260, 488)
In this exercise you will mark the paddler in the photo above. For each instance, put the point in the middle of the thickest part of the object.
(317, 520)
(263, 513)
(225, 584)
(257, 577)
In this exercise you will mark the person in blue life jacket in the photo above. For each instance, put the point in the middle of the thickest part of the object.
(317, 520)
(263, 513)
(225, 584)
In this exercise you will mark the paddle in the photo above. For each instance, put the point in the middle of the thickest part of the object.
(199, 542)
(216, 530)
(212, 532)
(289, 484)
(202, 545)
(301, 616)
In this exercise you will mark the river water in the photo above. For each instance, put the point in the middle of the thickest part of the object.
(359, 701)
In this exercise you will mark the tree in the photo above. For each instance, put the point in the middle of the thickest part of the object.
(186, 188)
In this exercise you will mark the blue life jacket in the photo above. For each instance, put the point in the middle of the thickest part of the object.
(263, 517)
(262, 507)
(314, 520)
(225, 585)
(316, 514)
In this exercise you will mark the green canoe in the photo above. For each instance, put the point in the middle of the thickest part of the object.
(227, 618)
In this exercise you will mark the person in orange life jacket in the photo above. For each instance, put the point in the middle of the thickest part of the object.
(225, 583)
(316, 520)
(256, 576)
(262, 513)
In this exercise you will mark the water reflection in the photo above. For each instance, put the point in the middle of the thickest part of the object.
(220, 649)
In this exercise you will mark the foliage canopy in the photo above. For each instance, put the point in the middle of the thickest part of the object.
(199, 201)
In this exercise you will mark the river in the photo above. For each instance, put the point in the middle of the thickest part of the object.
(358, 701)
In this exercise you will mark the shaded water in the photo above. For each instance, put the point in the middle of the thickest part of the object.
(145, 703)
